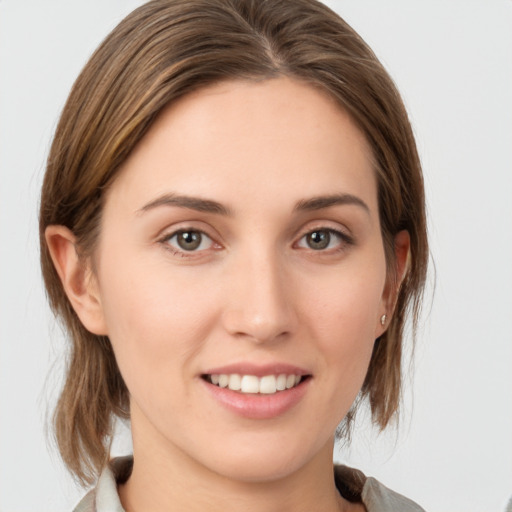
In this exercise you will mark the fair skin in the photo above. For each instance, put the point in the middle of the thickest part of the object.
(241, 237)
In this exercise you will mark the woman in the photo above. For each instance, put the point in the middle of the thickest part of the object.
(233, 231)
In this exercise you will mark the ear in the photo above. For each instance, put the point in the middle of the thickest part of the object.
(402, 244)
(77, 278)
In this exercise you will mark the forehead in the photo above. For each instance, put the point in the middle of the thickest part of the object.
(227, 140)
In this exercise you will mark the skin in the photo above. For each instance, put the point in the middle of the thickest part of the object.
(254, 291)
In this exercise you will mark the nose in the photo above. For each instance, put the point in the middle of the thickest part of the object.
(259, 302)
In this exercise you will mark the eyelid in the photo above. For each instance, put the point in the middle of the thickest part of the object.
(168, 234)
(346, 239)
(324, 224)
(186, 224)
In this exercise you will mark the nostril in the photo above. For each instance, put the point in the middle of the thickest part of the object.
(257, 327)
(259, 307)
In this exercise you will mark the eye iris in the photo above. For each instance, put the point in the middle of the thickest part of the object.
(189, 240)
(319, 239)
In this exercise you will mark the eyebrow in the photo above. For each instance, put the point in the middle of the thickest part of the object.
(320, 202)
(193, 203)
(209, 206)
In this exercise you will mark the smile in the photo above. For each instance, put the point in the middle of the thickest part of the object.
(251, 384)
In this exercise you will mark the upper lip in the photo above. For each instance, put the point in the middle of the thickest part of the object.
(258, 370)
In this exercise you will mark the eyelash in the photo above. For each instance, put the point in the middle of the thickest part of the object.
(183, 252)
(344, 240)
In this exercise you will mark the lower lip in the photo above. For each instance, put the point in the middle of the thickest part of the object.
(258, 406)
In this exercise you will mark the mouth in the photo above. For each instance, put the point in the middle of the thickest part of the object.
(251, 384)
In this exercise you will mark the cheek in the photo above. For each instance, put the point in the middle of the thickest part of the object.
(156, 320)
(342, 315)
(350, 299)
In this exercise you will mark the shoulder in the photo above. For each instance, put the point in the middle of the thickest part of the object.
(376, 497)
(104, 497)
(351, 483)
(87, 503)
(379, 498)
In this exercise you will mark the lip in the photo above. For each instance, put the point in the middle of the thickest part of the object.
(258, 370)
(257, 406)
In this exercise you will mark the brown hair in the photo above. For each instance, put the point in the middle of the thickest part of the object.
(160, 52)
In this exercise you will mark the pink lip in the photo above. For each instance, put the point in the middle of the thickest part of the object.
(257, 370)
(257, 406)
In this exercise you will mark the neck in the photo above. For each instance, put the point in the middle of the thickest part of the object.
(169, 479)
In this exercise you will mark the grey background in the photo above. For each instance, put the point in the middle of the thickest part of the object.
(452, 60)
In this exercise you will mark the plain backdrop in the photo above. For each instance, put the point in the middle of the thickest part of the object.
(452, 60)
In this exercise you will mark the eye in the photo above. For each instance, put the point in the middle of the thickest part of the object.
(189, 240)
(322, 239)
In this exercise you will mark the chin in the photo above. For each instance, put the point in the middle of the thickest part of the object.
(265, 460)
(259, 471)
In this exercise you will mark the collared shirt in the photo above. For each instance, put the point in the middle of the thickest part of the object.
(351, 483)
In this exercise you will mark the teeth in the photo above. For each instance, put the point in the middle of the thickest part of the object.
(223, 381)
(281, 382)
(250, 384)
(235, 382)
(267, 385)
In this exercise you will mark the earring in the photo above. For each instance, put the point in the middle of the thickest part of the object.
(383, 319)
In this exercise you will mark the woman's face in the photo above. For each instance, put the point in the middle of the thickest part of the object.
(240, 246)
